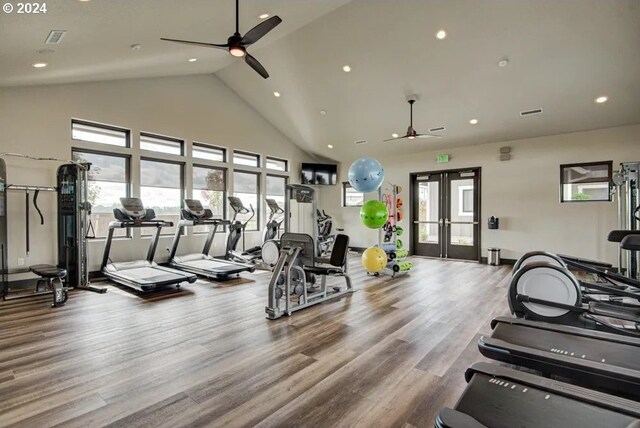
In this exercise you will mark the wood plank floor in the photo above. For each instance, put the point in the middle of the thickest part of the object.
(390, 355)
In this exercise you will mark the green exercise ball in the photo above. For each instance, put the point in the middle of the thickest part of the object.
(374, 214)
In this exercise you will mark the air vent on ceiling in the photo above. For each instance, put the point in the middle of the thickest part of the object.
(439, 128)
(530, 112)
(55, 36)
(361, 142)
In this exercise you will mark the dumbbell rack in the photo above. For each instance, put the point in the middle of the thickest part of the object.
(387, 235)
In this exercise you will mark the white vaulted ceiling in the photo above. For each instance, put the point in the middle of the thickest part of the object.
(561, 54)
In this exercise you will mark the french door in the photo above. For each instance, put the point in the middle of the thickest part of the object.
(445, 214)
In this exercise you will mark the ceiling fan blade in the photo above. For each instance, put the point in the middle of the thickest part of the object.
(397, 138)
(253, 63)
(428, 136)
(257, 32)
(189, 42)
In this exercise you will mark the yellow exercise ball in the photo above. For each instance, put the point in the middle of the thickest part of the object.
(374, 259)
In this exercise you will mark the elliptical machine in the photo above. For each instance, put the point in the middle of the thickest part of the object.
(237, 229)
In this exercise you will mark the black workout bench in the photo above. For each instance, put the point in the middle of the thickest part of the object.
(51, 280)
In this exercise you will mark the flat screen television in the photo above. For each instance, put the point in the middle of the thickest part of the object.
(319, 174)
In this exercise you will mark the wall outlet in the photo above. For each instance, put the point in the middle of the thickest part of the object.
(20, 262)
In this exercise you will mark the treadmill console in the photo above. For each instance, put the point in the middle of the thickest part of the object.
(133, 207)
(194, 207)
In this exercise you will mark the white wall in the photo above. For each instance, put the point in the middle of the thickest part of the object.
(37, 121)
(522, 192)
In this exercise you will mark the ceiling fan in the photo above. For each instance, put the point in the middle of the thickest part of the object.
(237, 44)
(411, 133)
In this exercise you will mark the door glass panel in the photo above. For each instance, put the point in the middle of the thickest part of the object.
(428, 196)
(462, 210)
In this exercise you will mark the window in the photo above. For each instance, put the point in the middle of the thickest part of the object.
(159, 144)
(246, 186)
(465, 201)
(205, 151)
(209, 187)
(583, 182)
(161, 190)
(108, 182)
(350, 196)
(96, 133)
(277, 164)
(247, 159)
(276, 190)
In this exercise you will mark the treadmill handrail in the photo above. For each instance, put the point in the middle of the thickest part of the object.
(576, 331)
(204, 221)
(629, 375)
(581, 393)
(147, 223)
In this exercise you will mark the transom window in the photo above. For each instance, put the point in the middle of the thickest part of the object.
(277, 164)
(98, 133)
(159, 144)
(245, 158)
(208, 152)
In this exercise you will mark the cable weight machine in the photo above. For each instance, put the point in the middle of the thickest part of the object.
(73, 225)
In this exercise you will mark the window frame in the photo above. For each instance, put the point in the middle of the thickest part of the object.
(167, 138)
(346, 185)
(258, 193)
(225, 192)
(128, 184)
(273, 158)
(609, 165)
(225, 152)
(258, 157)
(126, 131)
(182, 165)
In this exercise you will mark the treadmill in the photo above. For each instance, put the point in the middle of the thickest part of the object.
(501, 397)
(142, 275)
(193, 214)
(593, 359)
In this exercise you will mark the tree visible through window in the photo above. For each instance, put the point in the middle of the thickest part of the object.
(209, 187)
(161, 190)
(586, 182)
(108, 182)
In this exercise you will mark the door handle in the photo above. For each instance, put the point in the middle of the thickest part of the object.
(462, 222)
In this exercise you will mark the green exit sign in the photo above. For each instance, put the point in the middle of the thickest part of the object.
(443, 158)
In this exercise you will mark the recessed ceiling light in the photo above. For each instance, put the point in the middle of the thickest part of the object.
(136, 47)
(394, 135)
(441, 34)
(330, 146)
(602, 99)
(346, 68)
(473, 121)
(276, 94)
(264, 16)
(503, 63)
(323, 112)
(193, 59)
(39, 65)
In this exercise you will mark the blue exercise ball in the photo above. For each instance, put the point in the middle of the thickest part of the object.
(366, 175)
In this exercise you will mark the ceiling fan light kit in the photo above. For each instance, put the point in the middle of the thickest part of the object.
(411, 133)
(237, 44)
